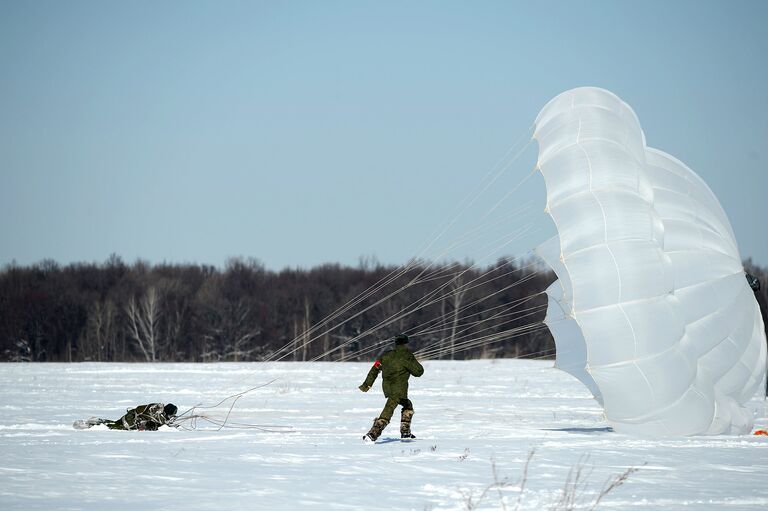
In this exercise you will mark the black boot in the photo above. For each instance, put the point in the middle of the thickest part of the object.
(405, 424)
(375, 432)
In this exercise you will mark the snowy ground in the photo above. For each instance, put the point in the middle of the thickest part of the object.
(470, 417)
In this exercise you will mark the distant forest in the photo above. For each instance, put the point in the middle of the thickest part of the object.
(197, 313)
(243, 312)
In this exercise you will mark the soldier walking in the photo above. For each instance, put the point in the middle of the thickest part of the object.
(397, 365)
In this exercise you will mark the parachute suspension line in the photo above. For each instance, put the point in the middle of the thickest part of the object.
(458, 276)
(538, 355)
(309, 336)
(385, 342)
(509, 313)
(499, 243)
(465, 327)
(464, 288)
(414, 281)
(470, 200)
(484, 340)
(516, 316)
(421, 278)
(493, 172)
(494, 176)
(509, 193)
(191, 423)
(379, 302)
(479, 342)
(442, 349)
(505, 307)
(490, 339)
(430, 326)
(410, 309)
(383, 282)
(513, 237)
(468, 285)
(437, 320)
(457, 334)
(440, 273)
(188, 420)
(415, 306)
(380, 325)
(509, 238)
(426, 300)
(469, 236)
(233, 396)
(375, 347)
(525, 209)
(434, 296)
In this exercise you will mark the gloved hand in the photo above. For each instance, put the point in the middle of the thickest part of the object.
(364, 387)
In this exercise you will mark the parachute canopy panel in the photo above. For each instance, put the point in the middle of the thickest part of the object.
(651, 310)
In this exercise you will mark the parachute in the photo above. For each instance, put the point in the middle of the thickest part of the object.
(651, 310)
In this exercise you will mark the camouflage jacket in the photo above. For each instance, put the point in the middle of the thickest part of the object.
(396, 366)
(144, 417)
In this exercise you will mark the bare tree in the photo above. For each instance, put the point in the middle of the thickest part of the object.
(305, 330)
(232, 330)
(457, 294)
(100, 331)
(241, 331)
(144, 322)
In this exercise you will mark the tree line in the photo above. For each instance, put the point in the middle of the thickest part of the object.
(117, 312)
(120, 312)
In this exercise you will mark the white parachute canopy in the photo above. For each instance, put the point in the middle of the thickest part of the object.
(651, 309)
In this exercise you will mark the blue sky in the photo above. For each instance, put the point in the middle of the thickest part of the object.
(300, 133)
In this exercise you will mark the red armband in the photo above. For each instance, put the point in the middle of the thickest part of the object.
(377, 364)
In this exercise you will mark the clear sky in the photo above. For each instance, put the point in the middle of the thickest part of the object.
(301, 133)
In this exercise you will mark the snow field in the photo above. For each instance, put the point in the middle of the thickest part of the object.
(472, 418)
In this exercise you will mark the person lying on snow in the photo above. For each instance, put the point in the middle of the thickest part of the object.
(397, 365)
(142, 418)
